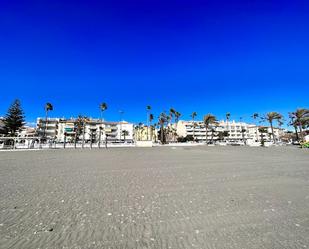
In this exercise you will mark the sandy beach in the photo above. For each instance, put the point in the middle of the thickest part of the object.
(163, 197)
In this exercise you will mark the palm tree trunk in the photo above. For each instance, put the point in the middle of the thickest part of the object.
(301, 133)
(75, 139)
(193, 130)
(206, 134)
(162, 134)
(99, 144)
(45, 126)
(296, 133)
(65, 140)
(257, 134)
(272, 131)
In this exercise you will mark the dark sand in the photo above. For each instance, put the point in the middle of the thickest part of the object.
(163, 197)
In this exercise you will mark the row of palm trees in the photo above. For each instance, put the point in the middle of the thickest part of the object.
(299, 120)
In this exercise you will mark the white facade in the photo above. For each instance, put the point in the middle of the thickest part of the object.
(61, 129)
(195, 129)
(237, 131)
(48, 127)
(256, 136)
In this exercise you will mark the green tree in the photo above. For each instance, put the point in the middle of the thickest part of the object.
(262, 130)
(255, 116)
(208, 120)
(78, 129)
(48, 107)
(300, 119)
(14, 119)
(177, 116)
(172, 114)
(151, 117)
(163, 119)
(271, 117)
(103, 108)
(228, 116)
(124, 134)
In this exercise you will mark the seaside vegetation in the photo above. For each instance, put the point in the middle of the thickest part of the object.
(14, 120)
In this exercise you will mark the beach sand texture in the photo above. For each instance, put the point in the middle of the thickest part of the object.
(162, 197)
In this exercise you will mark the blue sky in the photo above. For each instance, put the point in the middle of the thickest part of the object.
(205, 56)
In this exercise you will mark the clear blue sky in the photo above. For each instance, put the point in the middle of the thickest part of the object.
(205, 56)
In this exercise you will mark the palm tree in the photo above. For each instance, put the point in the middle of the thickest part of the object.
(294, 124)
(65, 140)
(271, 117)
(262, 130)
(48, 107)
(103, 107)
(208, 119)
(124, 134)
(255, 116)
(227, 115)
(151, 117)
(212, 135)
(172, 113)
(177, 116)
(301, 119)
(148, 108)
(163, 118)
(193, 115)
(78, 128)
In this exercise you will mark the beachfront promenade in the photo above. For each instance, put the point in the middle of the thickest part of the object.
(162, 197)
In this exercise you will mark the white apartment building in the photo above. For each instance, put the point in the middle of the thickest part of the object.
(237, 131)
(61, 129)
(48, 128)
(256, 136)
(195, 129)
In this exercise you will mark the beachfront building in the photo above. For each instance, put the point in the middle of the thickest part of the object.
(255, 134)
(235, 131)
(61, 130)
(222, 130)
(229, 131)
(196, 130)
(119, 131)
(47, 127)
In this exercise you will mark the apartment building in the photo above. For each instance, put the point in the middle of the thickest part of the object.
(230, 131)
(196, 129)
(48, 127)
(255, 135)
(65, 129)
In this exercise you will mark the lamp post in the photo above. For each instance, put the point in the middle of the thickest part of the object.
(120, 114)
